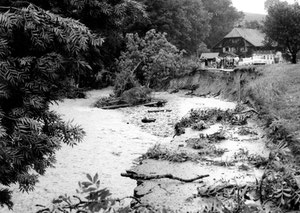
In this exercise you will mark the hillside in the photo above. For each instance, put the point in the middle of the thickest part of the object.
(252, 17)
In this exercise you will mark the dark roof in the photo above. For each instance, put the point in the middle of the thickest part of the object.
(255, 37)
(209, 55)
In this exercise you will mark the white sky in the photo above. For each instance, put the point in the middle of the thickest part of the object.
(252, 6)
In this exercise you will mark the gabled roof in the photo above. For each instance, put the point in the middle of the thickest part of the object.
(255, 37)
(209, 55)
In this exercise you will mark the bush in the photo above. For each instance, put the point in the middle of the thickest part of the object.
(125, 80)
(149, 61)
(136, 95)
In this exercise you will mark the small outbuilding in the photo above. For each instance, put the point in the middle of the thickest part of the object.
(209, 59)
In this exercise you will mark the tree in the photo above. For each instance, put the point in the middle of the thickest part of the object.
(147, 61)
(224, 18)
(186, 22)
(38, 53)
(111, 19)
(282, 26)
(202, 48)
(270, 3)
(254, 25)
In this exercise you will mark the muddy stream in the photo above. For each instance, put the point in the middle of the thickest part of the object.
(114, 139)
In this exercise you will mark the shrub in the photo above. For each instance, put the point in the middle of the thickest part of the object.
(150, 61)
(136, 95)
(125, 80)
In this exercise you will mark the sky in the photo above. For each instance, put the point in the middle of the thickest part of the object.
(252, 6)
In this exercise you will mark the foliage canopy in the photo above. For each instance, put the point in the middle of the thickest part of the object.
(282, 26)
(223, 18)
(40, 54)
(186, 22)
(110, 19)
(148, 60)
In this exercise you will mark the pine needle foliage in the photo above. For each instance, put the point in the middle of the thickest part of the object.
(40, 54)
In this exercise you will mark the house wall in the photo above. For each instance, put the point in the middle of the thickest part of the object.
(236, 45)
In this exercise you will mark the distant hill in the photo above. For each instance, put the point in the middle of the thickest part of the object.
(253, 17)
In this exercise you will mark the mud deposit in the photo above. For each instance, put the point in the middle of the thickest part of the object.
(116, 138)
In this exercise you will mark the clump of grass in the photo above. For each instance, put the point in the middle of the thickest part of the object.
(200, 119)
(204, 147)
(199, 126)
(160, 153)
(217, 136)
(246, 131)
(254, 159)
(203, 117)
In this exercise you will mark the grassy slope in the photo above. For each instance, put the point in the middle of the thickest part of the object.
(277, 93)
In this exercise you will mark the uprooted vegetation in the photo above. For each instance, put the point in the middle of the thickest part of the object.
(148, 62)
(200, 119)
(203, 149)
(277, 190)
(205, 117)
(204, 145)
(130, 97)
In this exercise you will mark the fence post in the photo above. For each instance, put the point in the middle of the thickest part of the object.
(239, 86)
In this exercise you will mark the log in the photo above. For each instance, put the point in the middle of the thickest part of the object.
(155, 104)
(117, 106)
(169, 176)
(148, 120)
(159, 110)
(174, 91)
(114, 102)
(247, 110)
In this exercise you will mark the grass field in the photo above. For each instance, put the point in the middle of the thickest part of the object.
(277, 94)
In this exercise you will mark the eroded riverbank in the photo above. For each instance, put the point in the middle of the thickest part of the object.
(232, 161)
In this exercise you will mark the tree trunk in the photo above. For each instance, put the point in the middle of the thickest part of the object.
(294, 58)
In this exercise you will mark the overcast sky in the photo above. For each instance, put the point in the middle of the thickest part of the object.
(252, 6)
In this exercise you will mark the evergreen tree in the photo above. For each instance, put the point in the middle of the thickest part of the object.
(40, 54)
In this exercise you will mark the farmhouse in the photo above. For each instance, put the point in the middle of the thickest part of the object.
(242, 41)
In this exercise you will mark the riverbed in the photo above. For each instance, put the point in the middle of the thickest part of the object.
(114, 139)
